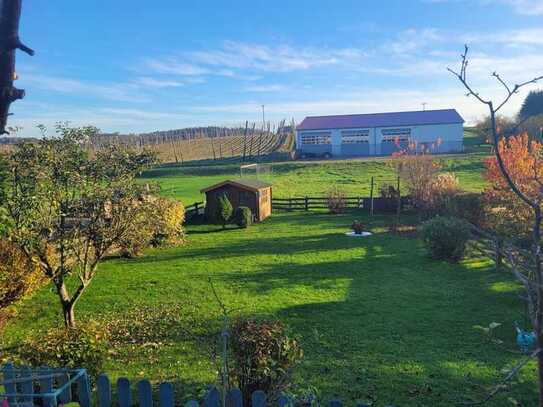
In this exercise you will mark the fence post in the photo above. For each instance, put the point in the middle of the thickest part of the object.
(399, 204)
(371, 197)
(10, 387)
(103, 386)
(165, 395)
(290, 204)
(46, 388)
(27, 386)
(145, 393)
(196, 208)
(306, 203)
(124, 398)
(84, 390)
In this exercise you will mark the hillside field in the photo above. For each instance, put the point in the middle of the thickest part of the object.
(310, 178)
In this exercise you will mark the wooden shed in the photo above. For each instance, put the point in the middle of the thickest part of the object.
(252, 193)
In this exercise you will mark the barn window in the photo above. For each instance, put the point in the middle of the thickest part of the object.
(315, 138)
(396, 135)
(355, 136)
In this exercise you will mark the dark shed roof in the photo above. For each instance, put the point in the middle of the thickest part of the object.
(250, 184)
(445, 116)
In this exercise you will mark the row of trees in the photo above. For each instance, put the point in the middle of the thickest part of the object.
(65, 208)
(529, 120)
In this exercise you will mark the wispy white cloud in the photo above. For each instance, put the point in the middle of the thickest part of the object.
(233, 57)
(157, 83)
(266, 88)
(526, 7)
(122, 92)
(523, 7)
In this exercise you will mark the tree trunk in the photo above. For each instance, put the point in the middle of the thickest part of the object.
(69, 315)
(67, 303)
(10, 14)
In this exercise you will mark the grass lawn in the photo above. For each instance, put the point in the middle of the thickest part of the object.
(378, 320)
(298, 179)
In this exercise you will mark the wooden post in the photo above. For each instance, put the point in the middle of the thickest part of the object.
(306, 203)
(399, 204)
(103, 387)
(371, 197)
(166, 395)
(145, 393)
(10, 14)
(124, 397)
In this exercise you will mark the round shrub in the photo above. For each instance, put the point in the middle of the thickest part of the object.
(264, 357)
(445, 238)
(469, 206)
(243, 217)
(67, 347)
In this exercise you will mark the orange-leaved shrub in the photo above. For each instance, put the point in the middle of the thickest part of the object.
(522, 158)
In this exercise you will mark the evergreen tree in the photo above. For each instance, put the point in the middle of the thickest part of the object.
(532, 105)
(224, 210)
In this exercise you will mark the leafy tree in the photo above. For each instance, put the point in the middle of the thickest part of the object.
(224, 210)
(68, 208)
(528, 269)
(507, 213)
(532, 105)
(418, 173)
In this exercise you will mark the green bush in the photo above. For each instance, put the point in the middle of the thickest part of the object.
(445, 238)
(168, 228)
(67, 347)
(243, 217)
(18, 275)
(468, 206)
(264, 357)
(224, 210)
(158, 222)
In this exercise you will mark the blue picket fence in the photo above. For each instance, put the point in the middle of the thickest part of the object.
(25, 387)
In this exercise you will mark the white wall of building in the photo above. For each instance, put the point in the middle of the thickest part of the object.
(450, 136)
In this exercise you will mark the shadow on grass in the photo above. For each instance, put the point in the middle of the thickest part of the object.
(403, 327)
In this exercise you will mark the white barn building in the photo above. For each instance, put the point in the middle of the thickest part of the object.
(438, 131)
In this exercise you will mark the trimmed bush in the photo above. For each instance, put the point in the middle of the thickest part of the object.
(445, 238)
(264, 356)
(224, 210)
(243, 217)
(67, 347)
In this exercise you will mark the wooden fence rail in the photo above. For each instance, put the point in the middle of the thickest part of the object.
(45, 387)
(370, 204)
(193, 210)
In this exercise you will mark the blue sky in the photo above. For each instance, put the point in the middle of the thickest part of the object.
(136, 66)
